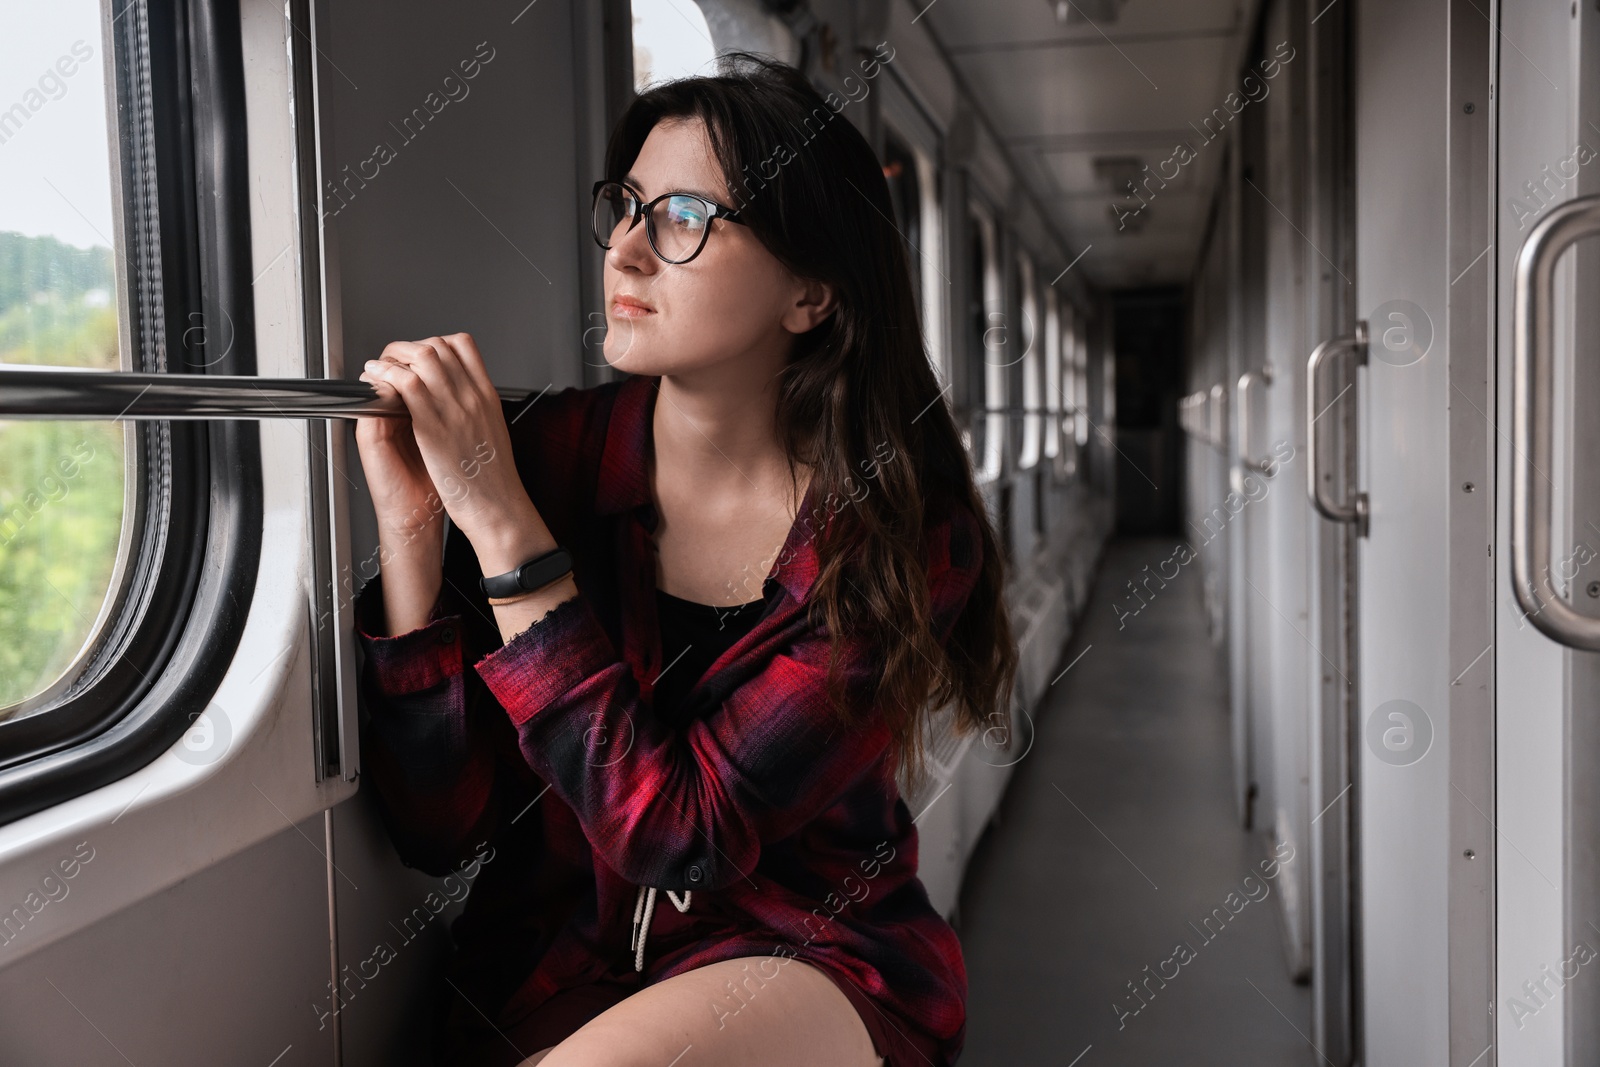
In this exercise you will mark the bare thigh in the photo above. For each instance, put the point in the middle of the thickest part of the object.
(797, 1018)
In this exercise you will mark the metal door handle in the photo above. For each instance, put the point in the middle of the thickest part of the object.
(1533, 298)
(1335, 511)
(1241, 425)
(65, 393)
(1189, 413)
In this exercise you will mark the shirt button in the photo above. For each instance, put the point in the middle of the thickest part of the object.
(447, 635)
(695, 874)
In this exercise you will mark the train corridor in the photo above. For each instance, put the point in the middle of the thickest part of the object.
(1309, 284)
(1116, 912)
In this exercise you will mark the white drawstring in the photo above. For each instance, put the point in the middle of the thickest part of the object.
(645, 905)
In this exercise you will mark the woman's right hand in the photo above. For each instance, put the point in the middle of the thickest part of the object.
(410, 516)
(408, 506)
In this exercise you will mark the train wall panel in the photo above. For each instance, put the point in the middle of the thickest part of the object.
(1279, 521)
(394, 940)
(1401, 108)
(222, 968)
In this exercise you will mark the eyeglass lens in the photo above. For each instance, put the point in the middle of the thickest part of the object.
(677, 225)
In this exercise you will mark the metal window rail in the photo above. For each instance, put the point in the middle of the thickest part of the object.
(80, 393)
(72, 393)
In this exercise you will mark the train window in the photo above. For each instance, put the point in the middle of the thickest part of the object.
(1067, 315)
(123, 247)
(1030, 363)
(1080, 378)
(1068, 392)
(1070, 396)
(1052, 375)
(987, 317)
(905, 193)
(977, 321)
(914, 189)
(62, 484)
(935, 283)
(671, 39)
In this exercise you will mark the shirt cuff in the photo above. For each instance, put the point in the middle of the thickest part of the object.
(410, 662)
(555, 653)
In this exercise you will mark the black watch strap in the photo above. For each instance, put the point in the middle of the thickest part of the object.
(531, 576)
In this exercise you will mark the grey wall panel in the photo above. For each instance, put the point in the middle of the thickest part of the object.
(1544, 694)
(1331, 678)
(1583, 744)
(455, 202)
(1401, 178)
(222, 968)
(394, 938)
(469, 219)
(472, 221)
(1285, 590)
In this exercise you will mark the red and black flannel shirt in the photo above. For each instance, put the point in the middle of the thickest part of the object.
(789, 829)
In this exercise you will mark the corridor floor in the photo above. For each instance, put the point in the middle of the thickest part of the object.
(1116, 841)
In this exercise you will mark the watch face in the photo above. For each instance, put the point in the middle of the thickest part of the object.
(538, 573)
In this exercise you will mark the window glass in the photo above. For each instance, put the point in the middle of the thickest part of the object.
(977, 328)
(1031, 422)
(996, 366)
(62, 484)
(933, 281)
(1052, 373)
(1080, 370)
(905, 194)
(1069, 370)
(670, 40)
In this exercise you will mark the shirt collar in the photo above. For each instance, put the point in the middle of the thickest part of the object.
(625, 482)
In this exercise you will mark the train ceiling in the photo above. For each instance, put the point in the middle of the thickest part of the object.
(1087, 94)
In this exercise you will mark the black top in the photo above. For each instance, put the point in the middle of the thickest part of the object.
(693, 635)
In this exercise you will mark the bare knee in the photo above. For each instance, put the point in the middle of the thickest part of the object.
(537, 1057)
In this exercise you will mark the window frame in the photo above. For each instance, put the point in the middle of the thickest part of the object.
(195, 532)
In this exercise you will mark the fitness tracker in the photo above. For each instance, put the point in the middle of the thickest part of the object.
(531, 576)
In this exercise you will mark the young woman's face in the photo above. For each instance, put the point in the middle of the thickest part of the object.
(733, 301)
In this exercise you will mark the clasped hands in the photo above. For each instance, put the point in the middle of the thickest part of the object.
(455, 448)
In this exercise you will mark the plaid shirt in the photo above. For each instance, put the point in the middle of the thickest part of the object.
(786, 831)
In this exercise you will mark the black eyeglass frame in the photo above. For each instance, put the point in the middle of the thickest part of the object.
(714, 210)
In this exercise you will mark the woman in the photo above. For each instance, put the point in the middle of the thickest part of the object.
(779, 567)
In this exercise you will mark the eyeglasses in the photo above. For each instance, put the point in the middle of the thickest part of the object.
(675, 223)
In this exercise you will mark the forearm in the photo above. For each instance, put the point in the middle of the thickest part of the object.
(413, 573)
(685, 809)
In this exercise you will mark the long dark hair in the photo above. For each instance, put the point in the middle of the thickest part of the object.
(858, 395)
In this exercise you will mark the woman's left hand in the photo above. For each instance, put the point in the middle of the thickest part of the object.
(462, 435)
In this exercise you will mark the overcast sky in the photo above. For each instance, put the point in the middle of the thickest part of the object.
(64, 142)
(674, 34)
